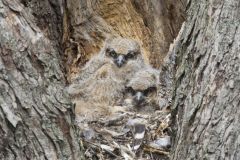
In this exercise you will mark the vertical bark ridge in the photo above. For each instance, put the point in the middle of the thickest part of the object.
(207, 79)
(35, 116)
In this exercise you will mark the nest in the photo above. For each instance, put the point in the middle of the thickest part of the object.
(113, 137)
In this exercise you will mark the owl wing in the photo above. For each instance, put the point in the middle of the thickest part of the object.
(78, 84)
(90, 68)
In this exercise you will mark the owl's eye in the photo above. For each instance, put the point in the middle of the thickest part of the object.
(111, 53)
(130, 90)
(130, 55)
(150, 90)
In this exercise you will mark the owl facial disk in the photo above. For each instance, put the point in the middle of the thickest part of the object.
(120, 58)
(139, 97)
(120, 61)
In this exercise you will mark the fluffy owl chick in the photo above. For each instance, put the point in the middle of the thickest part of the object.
(124, 55)
(141, 90)
(96, 96)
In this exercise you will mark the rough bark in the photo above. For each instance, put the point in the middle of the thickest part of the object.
(36, 118)
(207, 82)
(37, 121)
(163, 19)
(87, 23)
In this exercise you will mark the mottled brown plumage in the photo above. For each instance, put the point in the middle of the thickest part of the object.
(124, 55)
(101, 83)
(96, 96)
(141, 90)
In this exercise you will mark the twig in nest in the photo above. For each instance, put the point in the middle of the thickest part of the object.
(94, 144)
(153, 150)
(99, 146)
(108, 151)
(113, 121)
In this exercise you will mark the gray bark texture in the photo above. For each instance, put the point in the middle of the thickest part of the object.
(43, 43)
(36, 118)
(206, 97)
(39, 40)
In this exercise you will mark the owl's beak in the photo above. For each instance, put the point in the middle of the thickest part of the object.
(139, 97)
(120, 60)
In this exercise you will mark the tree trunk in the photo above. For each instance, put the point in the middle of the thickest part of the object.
(206, 96)
(39, 54)
(36, 119)
(87, 24)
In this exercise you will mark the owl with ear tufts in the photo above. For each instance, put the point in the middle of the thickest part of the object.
(124, 55)
(101, 82)
(141, 90)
